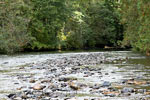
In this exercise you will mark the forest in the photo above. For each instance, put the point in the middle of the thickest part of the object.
(38, 25)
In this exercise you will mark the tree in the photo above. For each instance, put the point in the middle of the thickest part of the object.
(136, 18)
(13, 26)
(104, 21)
(48, 18)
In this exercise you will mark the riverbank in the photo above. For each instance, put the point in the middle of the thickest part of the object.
(82, 76)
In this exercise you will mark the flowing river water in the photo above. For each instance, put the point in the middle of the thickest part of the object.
(126, 71)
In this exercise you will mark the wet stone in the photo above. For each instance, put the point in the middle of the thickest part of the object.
(11, 95)
(53, 70)
(38, 87)
(75, 68)
(45, 81)
(55, 89)
(110, 95)
(112, 89)
(63, 79)
(106, 74)
(88, 73)
(127, 90)
(16, 83)
(82, 85)
(64, 84)
(5, 62)
(113, 72)
(32, 81)
(106, 84)
(96, 86)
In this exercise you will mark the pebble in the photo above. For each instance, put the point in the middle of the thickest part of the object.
(127, 90)
(11, 95)
(106, 84)
(32, 81)
(38, 87)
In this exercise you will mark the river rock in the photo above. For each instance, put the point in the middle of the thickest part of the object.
(45, 81)
(96, 86)
(106, 84)
(106, 73)
(64, 84)
(38, 87)
(72, 99)
(127, 90)
(110, 95)
(32, 81)
(11, 95)
(124, 81)
(74, 86)
(5, 62)
(65, 79)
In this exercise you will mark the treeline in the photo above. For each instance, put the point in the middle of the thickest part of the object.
(136, 20)
(58, 24)
(73, 24)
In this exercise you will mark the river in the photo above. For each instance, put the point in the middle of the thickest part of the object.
(125, 69)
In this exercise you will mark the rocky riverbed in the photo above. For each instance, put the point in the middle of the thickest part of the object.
(79, 76)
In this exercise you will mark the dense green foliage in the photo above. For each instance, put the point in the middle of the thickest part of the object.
(73, 24)
(104, 22)
(136, 18)
(48, 17)
(58, 24)
(13, 26)
(94, 24)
